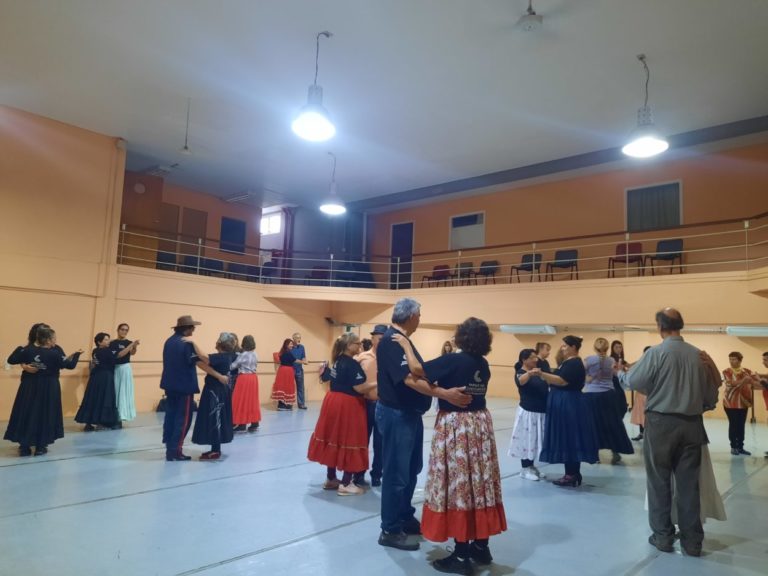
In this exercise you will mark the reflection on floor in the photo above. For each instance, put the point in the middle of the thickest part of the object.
(108, 503)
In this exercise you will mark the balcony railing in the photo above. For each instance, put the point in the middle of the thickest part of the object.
(723, 246)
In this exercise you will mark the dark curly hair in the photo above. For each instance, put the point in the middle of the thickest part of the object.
(473, 337)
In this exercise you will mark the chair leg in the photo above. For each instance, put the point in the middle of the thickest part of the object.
(577, 271)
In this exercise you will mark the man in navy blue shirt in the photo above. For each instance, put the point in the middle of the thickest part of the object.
(398, 417)
(179, 380)
(298, 368)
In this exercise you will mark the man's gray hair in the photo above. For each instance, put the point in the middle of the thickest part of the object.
(404, 309)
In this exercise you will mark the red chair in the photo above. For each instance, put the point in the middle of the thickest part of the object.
(630, 253)
(440, 273)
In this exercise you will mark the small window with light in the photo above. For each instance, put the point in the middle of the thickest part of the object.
(271, 224)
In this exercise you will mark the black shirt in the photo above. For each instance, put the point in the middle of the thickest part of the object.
(533, 394)
(392, 368)
(345, 374)
(460, 369)
(573, 372)
(104, 360)
(220, 362)
(287, 358)
(543, 365)
(118, 346)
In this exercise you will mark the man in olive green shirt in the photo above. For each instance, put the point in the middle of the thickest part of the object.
(680, 383)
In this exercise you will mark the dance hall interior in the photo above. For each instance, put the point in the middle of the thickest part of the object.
(473, 157)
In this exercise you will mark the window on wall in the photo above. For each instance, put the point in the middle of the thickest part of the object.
(468, 231)
(232, 235)
(654, 207)
(271, 224)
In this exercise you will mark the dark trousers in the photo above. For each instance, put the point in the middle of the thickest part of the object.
(402, 439)
(178, 418)
(299, 387)
(672, 447)
(737, 419)
(374, 430)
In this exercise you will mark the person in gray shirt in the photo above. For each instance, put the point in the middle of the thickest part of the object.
(680, 383)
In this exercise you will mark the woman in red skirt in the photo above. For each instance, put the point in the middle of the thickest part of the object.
(463, 492)
(284, 388)
(246, 408)
(340, 439)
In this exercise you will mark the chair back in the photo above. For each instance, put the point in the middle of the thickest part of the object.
(488, 267)
(441, 272)
(464, 269)
(565, 258)
(631, 249)
(668, 249)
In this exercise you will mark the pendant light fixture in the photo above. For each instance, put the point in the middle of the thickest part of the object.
(332, 205)
(185, 149)
(645, 141)
(313, 123)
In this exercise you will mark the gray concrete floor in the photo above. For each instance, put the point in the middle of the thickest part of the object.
(107, 503)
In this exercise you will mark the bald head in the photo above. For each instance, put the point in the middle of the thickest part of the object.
(669, 321)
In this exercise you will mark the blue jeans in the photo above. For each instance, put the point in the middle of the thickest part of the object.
(299, 387)
(373, 429)
(402, 440)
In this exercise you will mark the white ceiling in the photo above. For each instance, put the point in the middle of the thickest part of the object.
(421, 91)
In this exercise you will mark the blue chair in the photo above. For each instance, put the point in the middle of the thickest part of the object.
(268, 272)
(488, 269)
(563, 259)
(237, 271)
(166, 261)
(667, 251)
(191, 264)
(210, 266)
(319, 275)
(254, 273)
(529, 263)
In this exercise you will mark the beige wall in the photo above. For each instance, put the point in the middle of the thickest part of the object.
(60, 197)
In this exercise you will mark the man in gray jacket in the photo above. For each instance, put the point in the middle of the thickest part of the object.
(680, 383)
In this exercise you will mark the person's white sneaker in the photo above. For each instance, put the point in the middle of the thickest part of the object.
(539, 473)
(529, 474)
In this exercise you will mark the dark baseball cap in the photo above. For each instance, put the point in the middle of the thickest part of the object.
(379, 329)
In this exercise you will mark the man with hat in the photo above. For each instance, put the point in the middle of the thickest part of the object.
(179, 380)
(367, 361)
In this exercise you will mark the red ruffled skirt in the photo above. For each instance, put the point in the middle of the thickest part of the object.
(463, 491)
(284, 388)
(340, 439)
(245, 400)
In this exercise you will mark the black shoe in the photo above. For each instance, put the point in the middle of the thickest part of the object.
(41, 451)
(735, 451)
(25, 451)
(637, 438)
(412, 527)
(661, 546)
(744, 452)
(397, 540)
(253, 427)
(480, 554)
(377, 481)
(692, 550)
(89, 428)
(240, 428)
(302, 407)
(453, 565)
(360, 482)
(177, 457)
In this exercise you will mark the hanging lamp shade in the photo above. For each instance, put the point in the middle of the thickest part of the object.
(312, 122)
(645, 141)
(332, 205)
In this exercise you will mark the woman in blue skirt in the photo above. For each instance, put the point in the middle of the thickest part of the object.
(569, 433)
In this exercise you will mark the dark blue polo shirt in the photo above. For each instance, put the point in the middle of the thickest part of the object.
(460, 369)
(344, 375)
(179, 371)
(392, 368)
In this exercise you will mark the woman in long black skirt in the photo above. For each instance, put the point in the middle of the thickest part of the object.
(213, 424)
(569, 433)
(99, 405)
(36, 418)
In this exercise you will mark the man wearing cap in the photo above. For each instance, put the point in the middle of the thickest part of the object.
(367, 361)
(179, 380)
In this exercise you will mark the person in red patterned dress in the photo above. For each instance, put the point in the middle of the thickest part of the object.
(463, 491)
(737, 400)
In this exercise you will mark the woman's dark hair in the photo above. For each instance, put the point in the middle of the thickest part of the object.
(45, 334)
(99, 338)
(473, 337)
(32, 337)
(367, 344)
(616, 356)
(123, 324)
(574, 341)
(525, 353)
(283, 348)
(540, 345)
(736, 355)
(249, 344)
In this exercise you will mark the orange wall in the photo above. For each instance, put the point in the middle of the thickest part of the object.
(716, 186)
